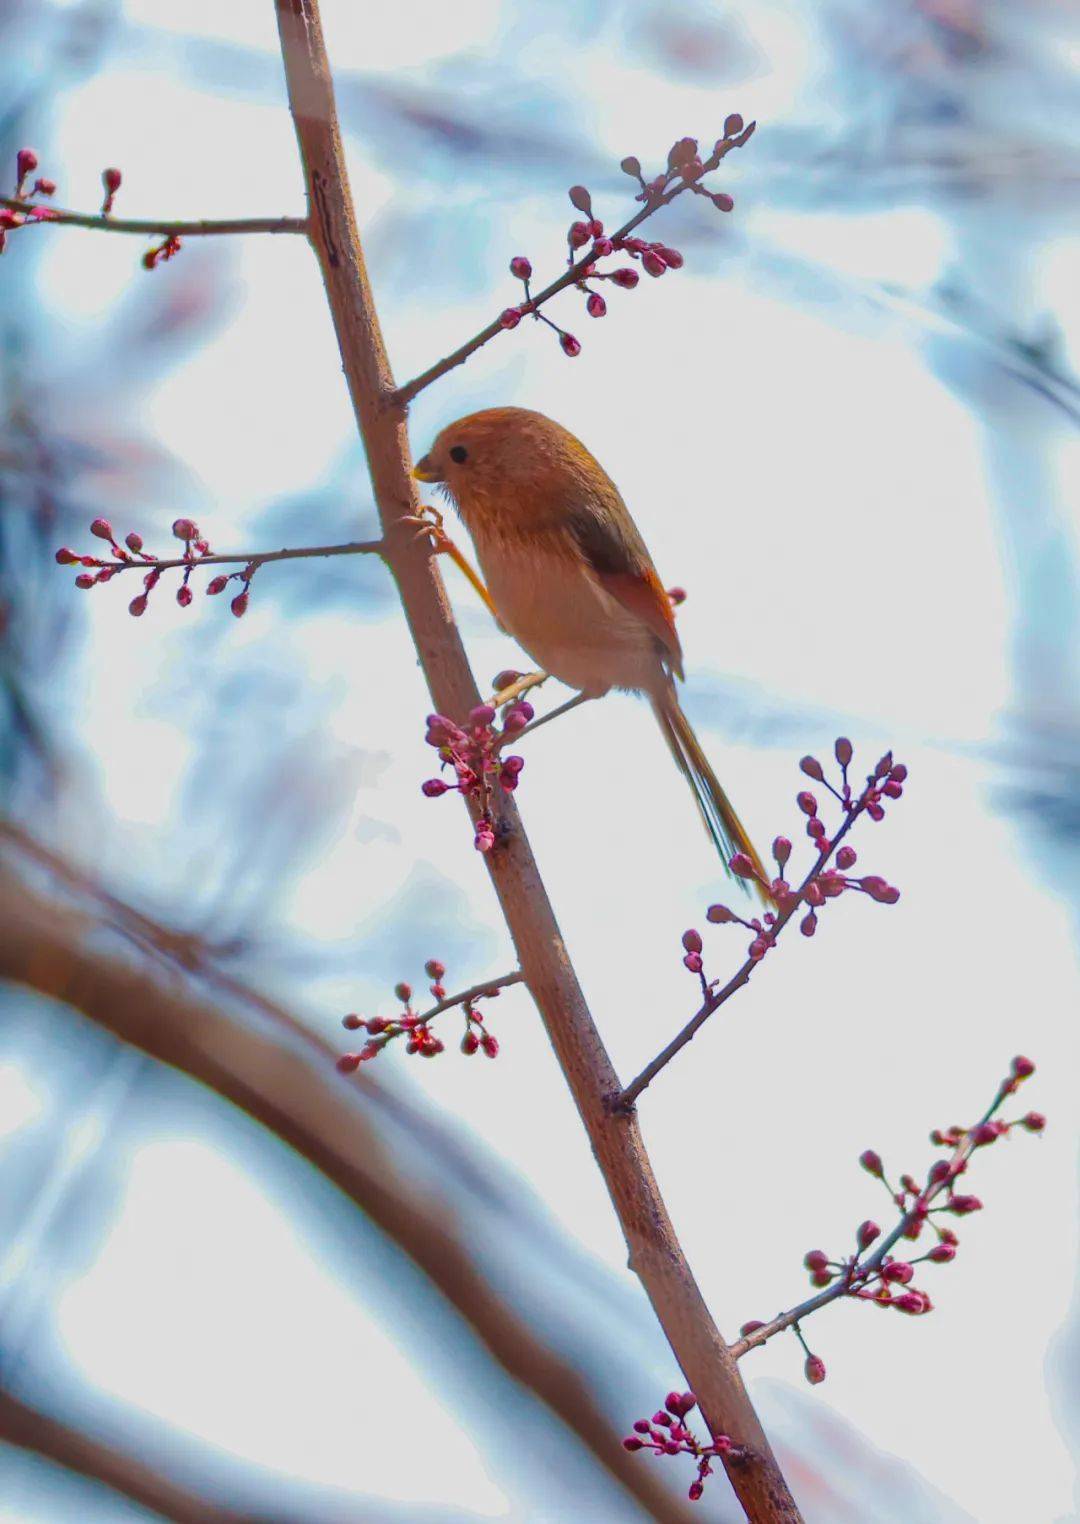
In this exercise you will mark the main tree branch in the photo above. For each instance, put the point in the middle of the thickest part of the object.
(654, 1250)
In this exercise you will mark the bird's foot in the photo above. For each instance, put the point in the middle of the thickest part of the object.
(429, 523)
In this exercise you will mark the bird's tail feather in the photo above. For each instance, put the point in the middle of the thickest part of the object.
(721, 822)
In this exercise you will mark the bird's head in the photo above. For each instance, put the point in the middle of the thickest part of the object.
(504, 459)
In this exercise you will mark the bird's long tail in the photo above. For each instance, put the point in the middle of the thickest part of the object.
(721, 822)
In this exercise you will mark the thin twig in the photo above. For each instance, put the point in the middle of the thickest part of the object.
(574, 273)
(655, 1252)
(474, 992)
(874, 1261)
(253, 558)
(38, 214)
(717, 998)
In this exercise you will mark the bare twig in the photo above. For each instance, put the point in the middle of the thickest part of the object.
(474, 992)
(654, 1249)
(35, 213)
(716, 998)
(872, 1262)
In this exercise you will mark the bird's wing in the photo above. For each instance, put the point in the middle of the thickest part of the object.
(619, 559)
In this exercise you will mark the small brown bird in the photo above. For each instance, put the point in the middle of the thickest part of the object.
(571, 577)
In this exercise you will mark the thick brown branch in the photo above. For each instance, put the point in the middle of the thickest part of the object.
(872, 1261)
(714, 1000)
(36, 214)
(655, 1253)
(290, 1088)
(32, 1430)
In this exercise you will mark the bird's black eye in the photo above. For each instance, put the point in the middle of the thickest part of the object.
(459, 454)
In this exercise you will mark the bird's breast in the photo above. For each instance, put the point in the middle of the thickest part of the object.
(551, 602)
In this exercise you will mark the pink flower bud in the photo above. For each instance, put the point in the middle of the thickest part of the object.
(481, 717)
(751, 1326)
(185, 529)
(137, 606)
(897, 1270)
(808, 924)
(66, 557)
(682, 151)
(758, 948)
(868, 1231)
(45, 187)
(733, 124)
(871, 1163)
(596, 306)
(742, 866)
(898, 773)
(691, 941)
(806, 802)
(602, 248)
(489, 1045)
(653, 263)
(695, 1491)
(631, 166)
(680, 1403)
(26, 161)
(693, 962)
(352, 1021)
(484, 839)
(816, 1260)
(578, 235)
(964, 1205)
(520, 267)
(102, 528)
(580, 198)
(183, 596)
(813, 893)
(875, 812)
(1033, 1122)
(217, 585)
(110, 179)
(348, 1062)
(671, 257)
(814, 1369)
(892, 790)
(84, 580)
(630, 1443)
(570, 345)
(403, 992)
(434, 969)
(723, 202)
(812, 768)
(239, 605)
(942, 1253)
(433, 788)
(846, 858)
(843, 750)
(626, 278)
(509, 318)
(1022, 1067)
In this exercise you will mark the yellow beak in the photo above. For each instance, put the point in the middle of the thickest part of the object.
(424, 471)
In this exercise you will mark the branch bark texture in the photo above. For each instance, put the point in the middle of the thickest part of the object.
(654, 1249)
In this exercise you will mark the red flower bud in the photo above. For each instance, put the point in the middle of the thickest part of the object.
(1033, 1122)
(509, 318)
(570, 345)
(897, 1270)
(806, 802)
(781, 850)
(630, 1443)
(808, 924)
(1022, 1067)
(580, 198)
(403, 992)
(45, 187)
(239, 605)
(691, 941)
(626, 278)
(84, 580)
(66, 557)
(102, 528)
(868, 1231)
(843, 750)
(812, 768)
(871, 1162)
(816, 1260)
(846, 858)
(733, 124)
(489, 1045)
(348, 1062)
(578, 236)
(183, 596)
(137, 606)
(964, 1205)
(110, 179)
(653, 263)
(742, 866)
(751, 1327)
(631, 166)
(942, 1253)
(26, 161)
(185, 529)
(596, 306)
(723, 202)
(521, 267)
(815, 1370)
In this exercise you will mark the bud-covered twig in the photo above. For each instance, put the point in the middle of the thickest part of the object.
(415, 1026)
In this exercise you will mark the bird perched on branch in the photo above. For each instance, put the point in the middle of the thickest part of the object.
(571, 577)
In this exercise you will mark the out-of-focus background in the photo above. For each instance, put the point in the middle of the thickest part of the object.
(849, 426)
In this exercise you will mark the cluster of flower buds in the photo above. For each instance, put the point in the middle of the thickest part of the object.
(588, 244)
(26, 162)
(666, 1433)
(415, 1026)
(887, 1280)
(474, 751)
(823, 882)
(132, 554)
(161, 252)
